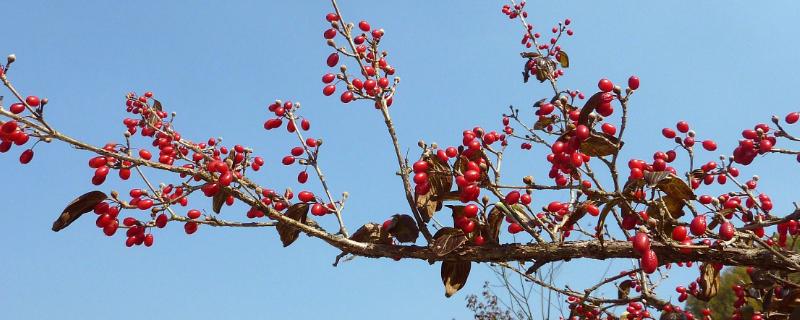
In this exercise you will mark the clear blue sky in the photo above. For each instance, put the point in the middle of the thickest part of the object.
(721, 65)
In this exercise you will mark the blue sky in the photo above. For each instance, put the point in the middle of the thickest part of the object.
(722, 66)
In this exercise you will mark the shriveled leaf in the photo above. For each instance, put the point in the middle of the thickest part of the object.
(491, 230)
(591, 104)
(669, 205)
(709, 282)
(440, 177)
(563, 59)
(218, 200)
(600, 144)
(287, 233)
(529, 54)
(579, 213)
(454, 276)
(82, 204)
(541, 73)
(157, 105)
(601, 219)
(674, 315)
(543, 122)
(371, 233)
(675, 187)
(427, 205)
(652, 178)
(624, 288)
(404, 228)
(446, 240)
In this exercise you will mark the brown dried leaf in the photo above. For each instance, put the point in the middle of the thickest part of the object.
(563, 59)
(157, 105)
(676, 188)
(652, 178)
(491, 231)
(218, 200)
(542, 123)
(288, 234)
(83, 204)
(454, 276)
(591, 104)
(600, 144)
(440, 177)
(624, 288)
(672, 206)
(371, 233)
(446, 240)
(404, 228)
(709, 282)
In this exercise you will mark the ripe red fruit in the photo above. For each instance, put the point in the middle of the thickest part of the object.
(479, 241)
(9, 127)
(633, 82)
(593, 210)
(468, 227)
(605, 85)
(649, 262)
(26, 156)
(709, 145)
(329, 90)
(525, 199)
(161, 220)
(148, 240)
(421, 178)
(32, 101)
(791, 118)
(333, 59)
(287, 160)
(190, 227)
(641, 243)
(726, 230)
(609, 129)
(193, 214)
(17, 108)
(668, 133)
(144, 204)
(364, 26)
(471, 211)
(582, 132)
(682, 126)
(144, 154)
(305, 196)
(698, 226)
(512, 197)
(346, 97)
(329, 34)
(679, 233)
(514, 228)
(331, 17)
(302, 177)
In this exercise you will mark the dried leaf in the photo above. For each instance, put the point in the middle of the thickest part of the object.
(404, 228)
(83, 204)
(563, 59)
(676, 188)
(288, 234)
(790, 302)
(624, 288)
(454, 276)
(672, 206)
(600, 144)
(218, 200)
(440, 177)
(446, 240)
(543, 122)
(157, 105)
(529, 54)
(371, 233)
(491, 230)
(591, 104)
(652, 178)
(709, 282)
(674, 315)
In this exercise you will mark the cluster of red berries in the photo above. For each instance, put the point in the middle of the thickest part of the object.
(13, 133)
(374, 85)
(756, 141)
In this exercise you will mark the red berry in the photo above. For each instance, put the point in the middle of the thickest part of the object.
(148, 240)
(420, 166)
(161, 220)
(605, 85)
(649, 262)
(331, 17)
(302, 177)
(329, 34)
(193, 214)
(582, 132)
(514, 228)
(17, 108)
(364, 26)
(144, 204)
(190, 227)
(144, 154)
(479, 241)
(791, 118)
(512, 197)
(683, 126)
(328, 78)
(668, 133)
(726, 230)
(471, 211)
(328, 90)
(346, 97)
(333, 59)
(679, 233)
(26, 156)
(633, 82)
(698, 226)
(709, 145)
(609, 129)
(32, 101)
(305, 196)
(641, 243)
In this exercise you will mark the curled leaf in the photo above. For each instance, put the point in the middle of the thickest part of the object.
(491, 230)
(403, 228)
(440, 177)
(218, 200)
(591, 104)
(454, 276)
(287, 233)
(371, 233)
(563, 59)
(600, 144)
(446, 240)
(83, 204)
(624, 288)
(709, 282)
(675, 187)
